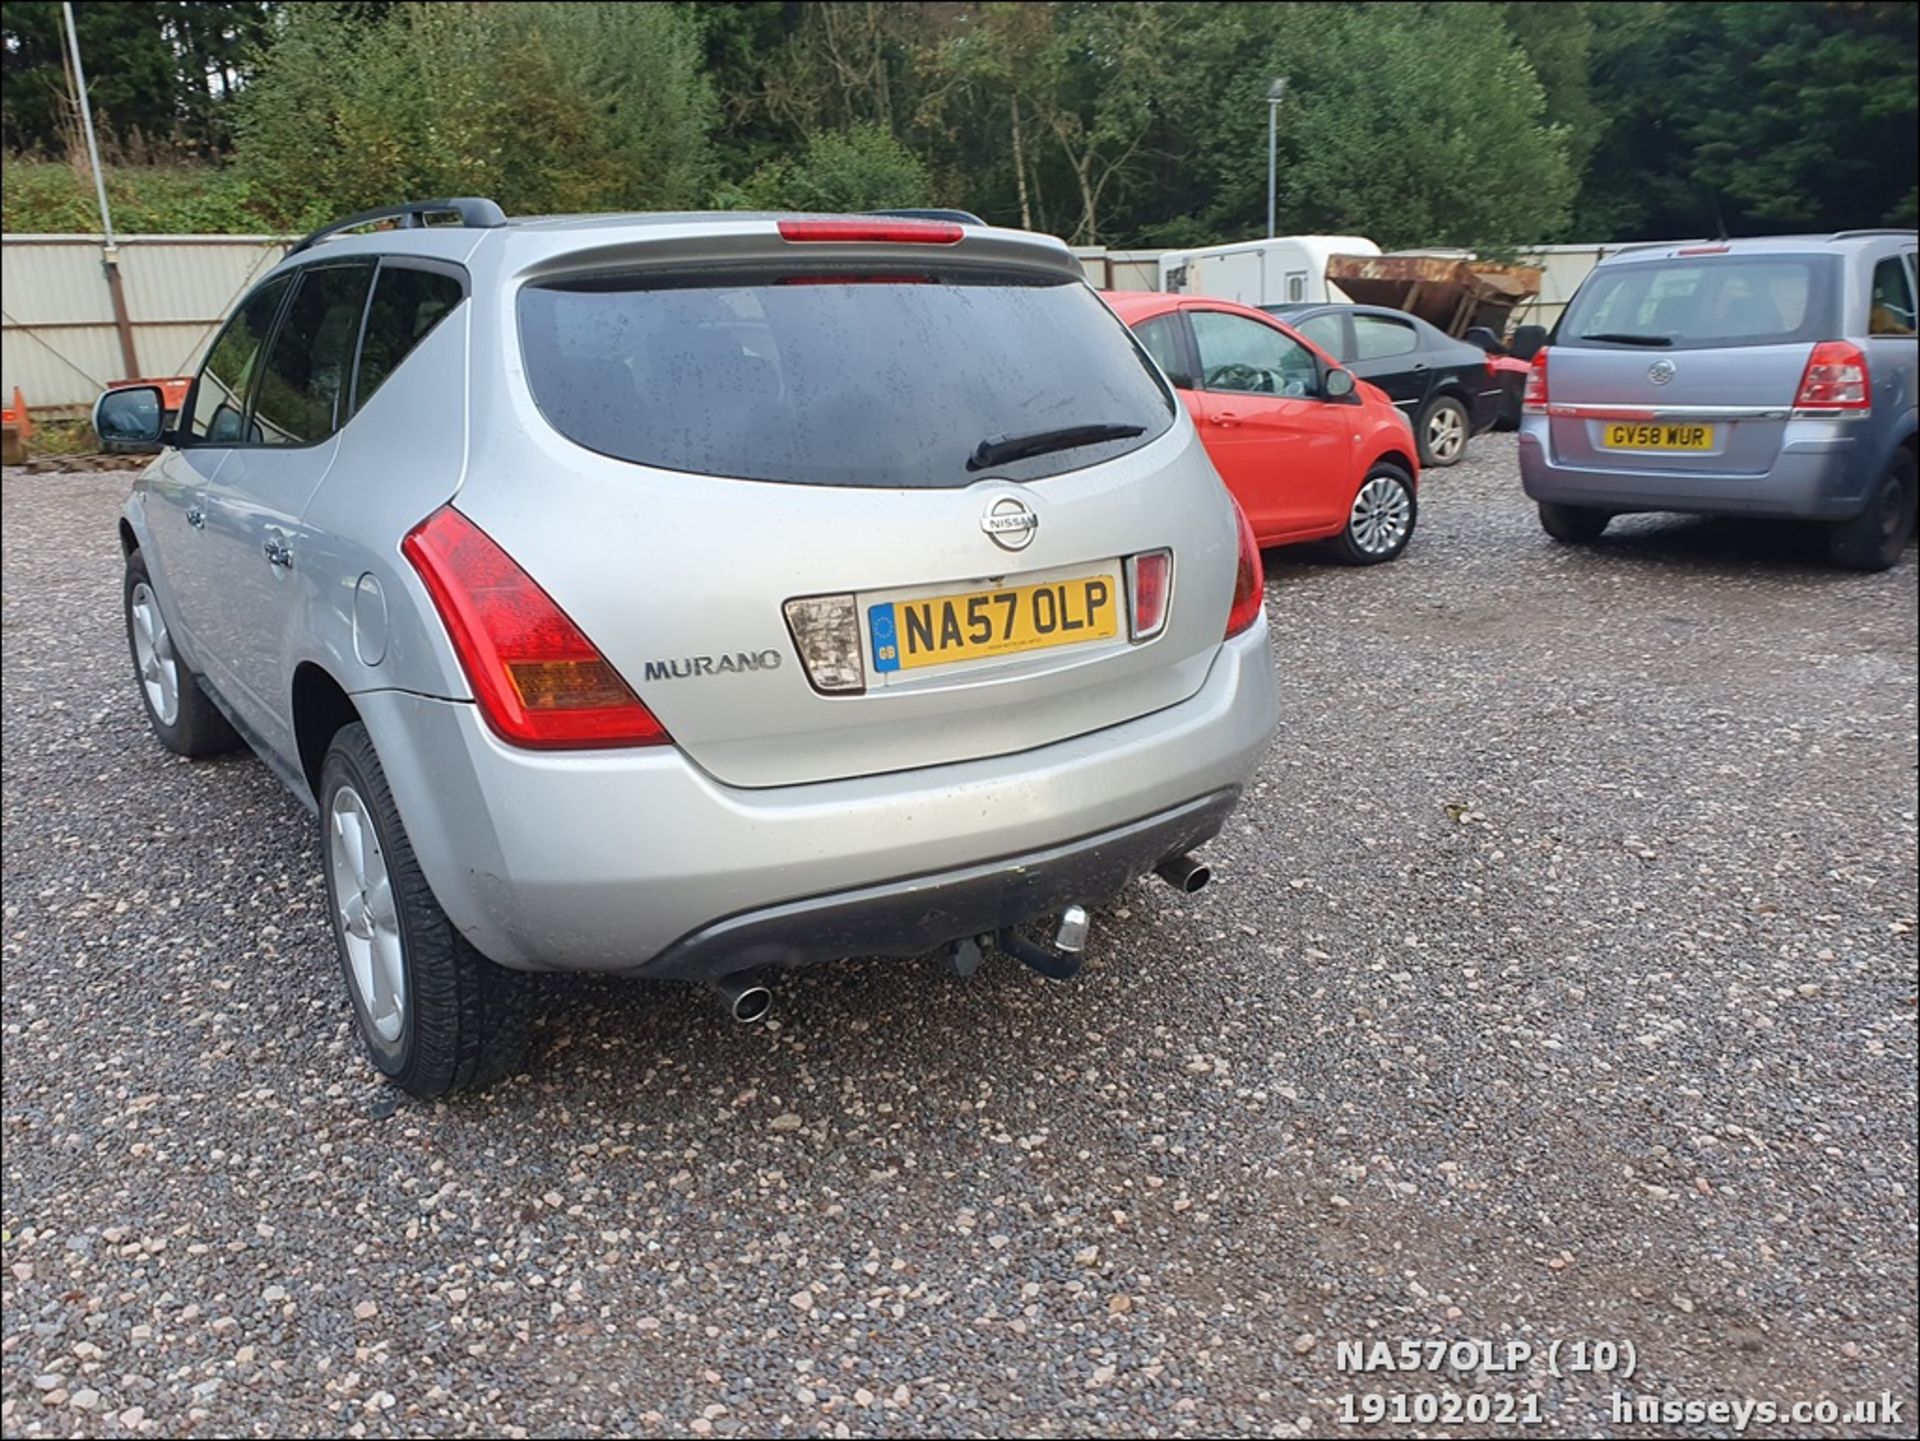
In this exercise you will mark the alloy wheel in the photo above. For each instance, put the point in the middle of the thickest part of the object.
(1381, 517)
(1446, 433)
(364, 911)
(153, 654)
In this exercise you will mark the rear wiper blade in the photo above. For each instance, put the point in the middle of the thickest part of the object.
(996, 449)
(1619, 339)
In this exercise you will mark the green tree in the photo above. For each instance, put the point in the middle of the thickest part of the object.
(860, 168)
(1440, 138)
(1754, 117)
(157, 70)
(1482, 124)
(742, 46)
(1556, 36)
(1080, 86)
(130, 71)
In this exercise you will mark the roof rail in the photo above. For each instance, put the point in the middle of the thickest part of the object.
(475, 214)
(1874, 230)
(955, 217)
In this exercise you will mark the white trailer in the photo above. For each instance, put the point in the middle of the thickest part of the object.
(1286, 269)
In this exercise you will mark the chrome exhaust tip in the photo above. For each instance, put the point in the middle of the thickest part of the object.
(1184, 873)
(747, 1002)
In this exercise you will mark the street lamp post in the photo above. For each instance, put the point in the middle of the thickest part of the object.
(1276, 92)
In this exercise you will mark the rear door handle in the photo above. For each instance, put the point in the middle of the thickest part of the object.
(1226, 417)
(196, 517)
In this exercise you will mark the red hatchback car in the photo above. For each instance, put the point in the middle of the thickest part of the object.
(1310, 452)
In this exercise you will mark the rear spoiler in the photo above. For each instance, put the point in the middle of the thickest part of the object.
(707, 242)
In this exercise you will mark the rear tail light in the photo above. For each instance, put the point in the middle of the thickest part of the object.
(1534, 398)
(1249, 581)
(886, 232)
(539, 681)
(1149, 587)
(1835, 379)
(1704, 250)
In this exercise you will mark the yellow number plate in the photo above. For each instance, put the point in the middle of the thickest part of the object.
(941, 629)
(1641, 435)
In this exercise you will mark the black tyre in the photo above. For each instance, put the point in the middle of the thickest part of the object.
(435, 1015)
(185, 720)
(1573, 524)
(1443, 430)
(1873, 539)
(1381, 519)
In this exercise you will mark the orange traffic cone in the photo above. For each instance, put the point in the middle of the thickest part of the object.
(17, 416)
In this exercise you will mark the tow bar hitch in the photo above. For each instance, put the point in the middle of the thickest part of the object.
(1062, 963)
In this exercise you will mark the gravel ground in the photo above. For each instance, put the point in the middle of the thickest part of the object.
(1559, 984)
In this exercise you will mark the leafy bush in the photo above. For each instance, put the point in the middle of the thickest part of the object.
(49, 197)
(860, 168)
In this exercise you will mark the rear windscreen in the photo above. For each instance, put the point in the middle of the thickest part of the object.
(1693, 303)
(869, 380)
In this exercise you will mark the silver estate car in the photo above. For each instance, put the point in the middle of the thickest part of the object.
(1771, 377)
(684, 596)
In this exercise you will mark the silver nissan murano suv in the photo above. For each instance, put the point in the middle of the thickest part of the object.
(688, 596)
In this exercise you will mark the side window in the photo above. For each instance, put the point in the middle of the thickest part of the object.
(1161, 337)
(1242, 355)
(1891, 312)
(220, 394)
(302, 395)
(407, 303)
(1376, 338)
(1329, 332)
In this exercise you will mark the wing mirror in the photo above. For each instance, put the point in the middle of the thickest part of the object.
(1483, 337)
(1339, 384)
(130, 420)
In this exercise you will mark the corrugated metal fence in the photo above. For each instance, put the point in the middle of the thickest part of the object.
(60, 347)
(58, 341)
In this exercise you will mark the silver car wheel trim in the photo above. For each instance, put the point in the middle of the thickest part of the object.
(1446, 433)
(153, 654)
(364, 911)
(1382, 515)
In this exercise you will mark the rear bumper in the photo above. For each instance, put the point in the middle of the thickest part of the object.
(640, 862)
(911, 917)
(1820, 473)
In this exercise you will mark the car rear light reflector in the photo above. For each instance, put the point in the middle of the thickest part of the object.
(537, 678)
(826, 632)
(884, 232)
(1249, 580)
(1149, 589)
(1534, 398)
(1835, 379)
